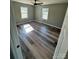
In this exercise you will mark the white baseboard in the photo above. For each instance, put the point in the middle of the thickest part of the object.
(48, 24)
(23, 22)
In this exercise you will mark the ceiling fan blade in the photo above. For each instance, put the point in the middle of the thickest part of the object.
(36, 0)
(39, 3)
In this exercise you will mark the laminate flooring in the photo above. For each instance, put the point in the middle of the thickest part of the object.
(37, 40)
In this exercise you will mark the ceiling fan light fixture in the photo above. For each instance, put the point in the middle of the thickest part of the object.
(37, 2)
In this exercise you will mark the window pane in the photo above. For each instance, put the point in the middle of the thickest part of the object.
(44, 16)
(24, 12)
(24, 16)
(45, 13)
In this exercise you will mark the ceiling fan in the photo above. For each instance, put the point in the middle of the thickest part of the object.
(37, 2)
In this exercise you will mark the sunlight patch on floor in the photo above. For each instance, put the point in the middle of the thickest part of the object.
(28, 28)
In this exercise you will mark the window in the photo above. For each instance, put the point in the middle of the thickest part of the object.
(45, 13)
(24, 12)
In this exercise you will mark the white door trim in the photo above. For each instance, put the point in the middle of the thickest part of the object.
(14, 39)
(62, 46)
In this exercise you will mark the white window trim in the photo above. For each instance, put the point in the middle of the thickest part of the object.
(25, 13)
(45, 14)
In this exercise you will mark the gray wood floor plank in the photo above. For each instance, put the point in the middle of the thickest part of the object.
(40, 42)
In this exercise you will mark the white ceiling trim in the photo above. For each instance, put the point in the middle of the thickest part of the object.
(45, 2)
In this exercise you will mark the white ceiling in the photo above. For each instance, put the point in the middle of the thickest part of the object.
(44, 1)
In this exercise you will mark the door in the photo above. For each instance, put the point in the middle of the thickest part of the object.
(62, 46)
(14, 40)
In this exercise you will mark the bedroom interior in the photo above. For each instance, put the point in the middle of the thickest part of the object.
(39, 29)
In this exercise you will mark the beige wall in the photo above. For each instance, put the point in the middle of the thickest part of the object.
(55, 16)
(17, 12)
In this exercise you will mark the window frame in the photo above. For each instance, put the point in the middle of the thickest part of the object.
(45, 14)
(23, 12)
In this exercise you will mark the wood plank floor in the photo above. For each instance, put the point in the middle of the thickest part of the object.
(38, 41)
